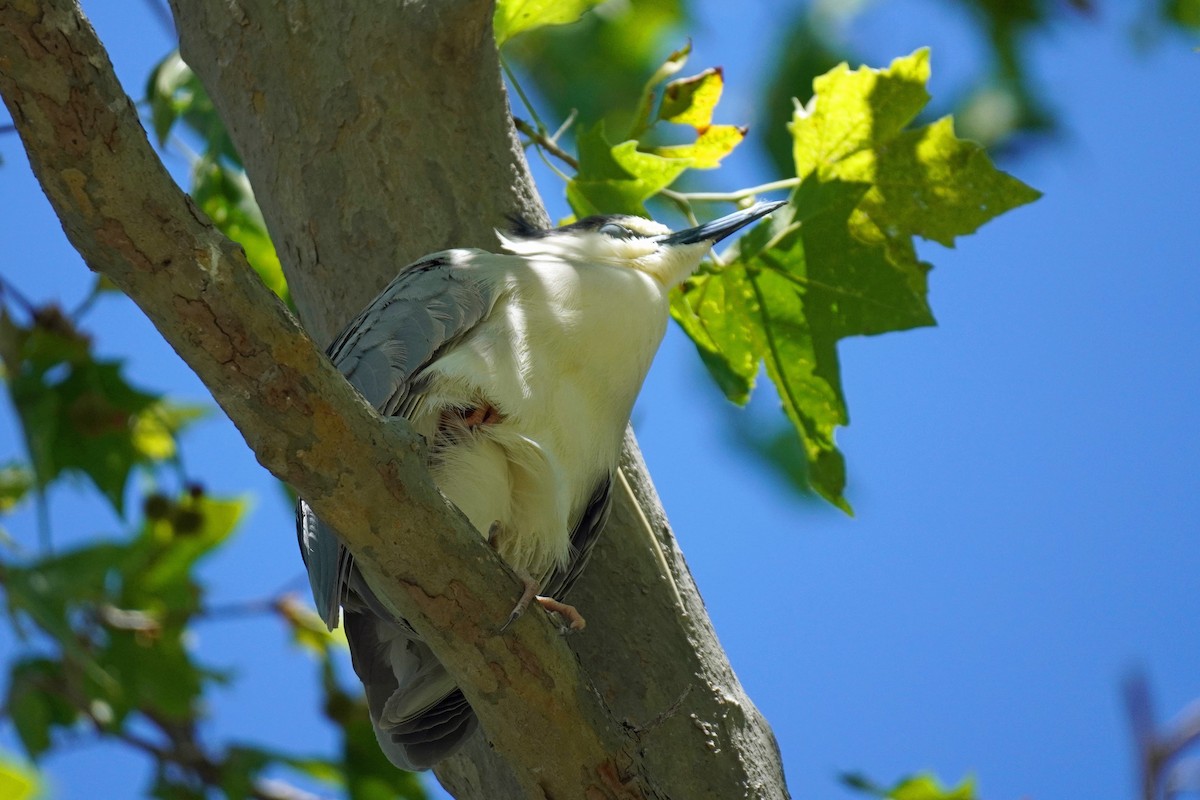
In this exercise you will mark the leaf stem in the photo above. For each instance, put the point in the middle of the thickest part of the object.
(740, 194)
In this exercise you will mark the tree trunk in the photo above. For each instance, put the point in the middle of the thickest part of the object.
(373, 136)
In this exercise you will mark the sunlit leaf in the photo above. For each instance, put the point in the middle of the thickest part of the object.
(175, 94)
(224, 194)
(617, 179)
(600, 65)
(17, 782)
(308, 629)
(156, 429)
(917, 787)
(514, 17)
(840, 260)
(691, 101)
(718, 312)
(716, 142)
(168, 549)
(16, 479)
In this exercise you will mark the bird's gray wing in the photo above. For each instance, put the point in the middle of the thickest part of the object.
(425, 310)
(419, 715)
(583, 539)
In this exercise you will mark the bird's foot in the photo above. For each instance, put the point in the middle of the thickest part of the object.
(527, 595)
(571, 615)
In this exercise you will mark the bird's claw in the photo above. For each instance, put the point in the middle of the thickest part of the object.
(528, 594)
(574, 620)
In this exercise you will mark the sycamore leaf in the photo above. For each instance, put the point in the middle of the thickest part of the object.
(641, 115)
(719, 312)
(17, 782)
(308, 629)
(225, 196)
(840, 260)
(156, 429)
(168, 549)
(16, 479)
(923, 182)
(82, 421)
(617, 179)
(514, 17)
(716, 142)
(175, 94)
(691, 101)
(917, 787)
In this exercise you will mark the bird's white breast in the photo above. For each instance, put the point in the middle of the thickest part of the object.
(561, 357)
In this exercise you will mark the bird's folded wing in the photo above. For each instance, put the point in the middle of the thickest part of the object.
(425, 310)
(583, 539)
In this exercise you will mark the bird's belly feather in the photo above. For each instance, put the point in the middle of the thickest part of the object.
(562, 410)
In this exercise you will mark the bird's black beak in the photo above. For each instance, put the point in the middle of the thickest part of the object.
(718, 229)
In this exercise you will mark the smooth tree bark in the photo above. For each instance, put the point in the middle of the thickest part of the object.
(373, 134)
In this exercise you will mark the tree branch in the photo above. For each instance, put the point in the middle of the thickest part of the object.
(126, 217)
(372, 138)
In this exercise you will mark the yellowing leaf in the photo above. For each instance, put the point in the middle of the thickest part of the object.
(156, 428)
(17, 782)
(690, 101)
(308, 629)
(514, 17)
(716, 142)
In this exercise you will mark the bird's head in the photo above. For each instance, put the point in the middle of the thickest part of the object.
(634, 242)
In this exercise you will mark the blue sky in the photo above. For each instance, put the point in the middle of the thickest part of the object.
(1023, 474)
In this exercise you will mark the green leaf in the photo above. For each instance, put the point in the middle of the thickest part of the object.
(16, 479)
(35, 705)
(17, 782)
(168, 551)
(82, 422)
(852, 112)
(719, 313)
(600, 64)
(156, 430)
(225, 196)
(514, 17)
(923, 182)
(175, 94)
(308, 629)
(617, 179)
(923, 786)
(77, 413)
(691, 101)
(1184, 13)
(841, 260)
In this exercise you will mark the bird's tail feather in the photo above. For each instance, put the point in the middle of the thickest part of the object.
(420, 716)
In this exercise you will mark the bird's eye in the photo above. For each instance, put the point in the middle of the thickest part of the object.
(616, 231)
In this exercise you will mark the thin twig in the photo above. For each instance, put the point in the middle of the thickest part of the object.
(545, 142)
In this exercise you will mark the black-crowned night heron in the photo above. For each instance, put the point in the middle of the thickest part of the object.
(520, 369)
